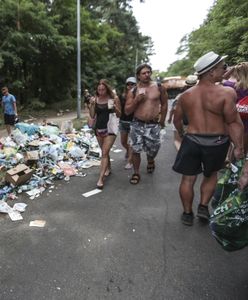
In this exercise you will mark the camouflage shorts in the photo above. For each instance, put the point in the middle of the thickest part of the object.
(145, 137)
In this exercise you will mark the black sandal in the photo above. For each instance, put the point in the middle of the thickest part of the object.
(135, 179)
(150, 167)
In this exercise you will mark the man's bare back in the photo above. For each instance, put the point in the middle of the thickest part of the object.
(208, 107)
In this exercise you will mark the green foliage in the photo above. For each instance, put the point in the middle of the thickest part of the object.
(224, 31)
(38, 47)
(35, 104)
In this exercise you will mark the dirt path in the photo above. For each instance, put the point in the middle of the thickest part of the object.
(57, 119)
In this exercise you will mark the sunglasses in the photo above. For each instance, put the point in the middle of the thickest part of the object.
(130, 83)
(225, 66)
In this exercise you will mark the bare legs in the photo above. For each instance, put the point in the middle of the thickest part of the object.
(186, 190)
(136, 162)
(207, 188)
(8, 128)
(124, 142)
(105, 144)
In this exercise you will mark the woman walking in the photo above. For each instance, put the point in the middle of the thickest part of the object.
(106, 109)
(125, 121)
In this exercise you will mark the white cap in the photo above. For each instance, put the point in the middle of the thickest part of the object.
(131, 79)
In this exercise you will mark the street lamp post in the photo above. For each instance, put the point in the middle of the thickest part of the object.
(78, 63)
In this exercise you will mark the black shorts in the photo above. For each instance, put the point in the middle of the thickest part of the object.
(9, 119)
(201, 153)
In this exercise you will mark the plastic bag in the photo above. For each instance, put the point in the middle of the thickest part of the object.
(227, 182)
(229, 221)
(29, 129)
(67, 127)
(49, 130)
(19, 137)
(113, 123)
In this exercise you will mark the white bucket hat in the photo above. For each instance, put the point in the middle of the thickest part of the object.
(207, 62)
(131, 79)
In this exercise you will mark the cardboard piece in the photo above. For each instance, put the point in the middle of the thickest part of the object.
(19, 175)
(31, 156)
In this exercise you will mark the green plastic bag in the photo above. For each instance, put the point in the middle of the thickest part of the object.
(227, 182)
(229, 221)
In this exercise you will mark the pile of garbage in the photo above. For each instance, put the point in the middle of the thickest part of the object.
(34, 156)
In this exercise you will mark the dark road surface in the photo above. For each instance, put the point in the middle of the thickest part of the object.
(126, 242)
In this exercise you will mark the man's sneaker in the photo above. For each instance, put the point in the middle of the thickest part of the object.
(202, 212)
(187, 218)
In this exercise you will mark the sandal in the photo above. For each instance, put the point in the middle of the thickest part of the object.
(150, 166)
(135, 179)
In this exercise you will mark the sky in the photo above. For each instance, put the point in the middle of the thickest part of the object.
(166, 22)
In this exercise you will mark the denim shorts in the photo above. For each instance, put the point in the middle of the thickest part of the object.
(124, 126)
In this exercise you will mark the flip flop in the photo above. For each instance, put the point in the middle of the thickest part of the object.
(135, 179)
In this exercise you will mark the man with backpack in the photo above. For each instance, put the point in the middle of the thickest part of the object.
(148, 102)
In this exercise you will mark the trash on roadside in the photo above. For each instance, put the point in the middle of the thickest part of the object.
(15, 215)
(91, 193)
(19, 175)
(34, 156)
(31, 156)
(37, 223)
(21, 207)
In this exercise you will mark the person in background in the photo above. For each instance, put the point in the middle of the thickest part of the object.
(190, 81)
(102, 107)
(148, 103)
(125, 121)
(9, 109)
(210, 109)
(238, 80)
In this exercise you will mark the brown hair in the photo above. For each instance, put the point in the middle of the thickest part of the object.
(240, 72)
(107, 86)
(142, 66)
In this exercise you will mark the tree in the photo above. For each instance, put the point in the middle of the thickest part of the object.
(38, 56)
(224, 31)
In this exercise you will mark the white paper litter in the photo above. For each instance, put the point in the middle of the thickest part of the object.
(14, 213)
(4, 207)
(117, 150)
(91, 193)
(15, 216)
(33, 192)
(21, 207)
(37, 223)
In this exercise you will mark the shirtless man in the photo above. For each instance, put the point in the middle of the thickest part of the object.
(211, 110)
(148, 102)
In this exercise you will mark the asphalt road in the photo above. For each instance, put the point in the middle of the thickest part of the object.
(126, 242)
